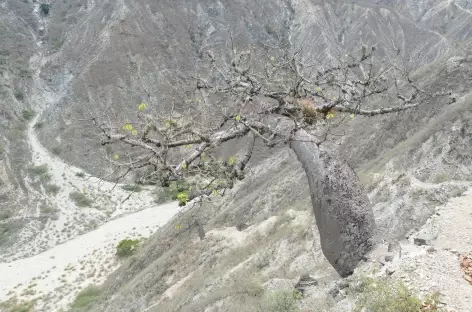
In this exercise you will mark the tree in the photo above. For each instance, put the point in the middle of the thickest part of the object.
(278, 98)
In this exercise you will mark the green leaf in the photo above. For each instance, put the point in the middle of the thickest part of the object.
(232, 160)
(318, 89)
(142, 106)
(214, 193)
(116, 157)
(128, 127)
(182, 198)
(238, 118)
(134, 132)
(330, 115)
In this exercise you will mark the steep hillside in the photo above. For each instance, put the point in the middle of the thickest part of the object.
(60, 66)
(261, 237)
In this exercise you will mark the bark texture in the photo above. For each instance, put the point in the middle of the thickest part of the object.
(342, 210)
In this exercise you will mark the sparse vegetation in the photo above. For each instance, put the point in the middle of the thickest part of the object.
(80, 174)
(13, 305)
(131, 187)
(81, 200)
(5, 214)
(45, 7)
(41, 172)
(52, 189)
(56, 150)
(19, 95)
(167, 194)
(28, 114)
(56, 44)
(45, 209)
(381, 295)
(282, 301)
(127, 247)
(86, 298)
(440, 178)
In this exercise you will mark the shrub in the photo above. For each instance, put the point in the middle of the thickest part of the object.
(47, 209)
(127, 247)
(52, 189)
(80, 199)
(19, 95)
(132, 187)
(5, 214)
(41, 172)
(281, 301)
(28, 114)
(45, 7)
(167, 194)
(12, 305)
(86, 298)
(380, 295)
(56, 150)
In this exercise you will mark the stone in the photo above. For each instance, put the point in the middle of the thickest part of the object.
(419, 241)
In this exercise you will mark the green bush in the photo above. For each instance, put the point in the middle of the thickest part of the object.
(170, 193)
(86, 298)
(127, 247)
(80, 199)
(19, 95)
(386, 295)
(45, 7)
(28, 114)
(41, 172)
(281, 301)
(132, 187)
(5, 214)
(52, 189)
(13, 305)
(38, 170)
(56, 150)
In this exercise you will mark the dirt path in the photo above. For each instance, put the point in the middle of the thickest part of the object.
(55, 276)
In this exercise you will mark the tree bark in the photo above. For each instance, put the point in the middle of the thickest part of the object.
(342, 210)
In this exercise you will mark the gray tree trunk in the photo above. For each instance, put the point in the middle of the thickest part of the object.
(342, 210)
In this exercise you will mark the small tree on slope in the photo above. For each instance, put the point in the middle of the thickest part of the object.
(283, 101)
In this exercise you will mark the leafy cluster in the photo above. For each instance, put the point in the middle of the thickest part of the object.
(86, 298)
(127, 247)
(81, 200)
(386, 295)
(282, 301)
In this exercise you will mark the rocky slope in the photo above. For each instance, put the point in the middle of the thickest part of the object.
(105, 57)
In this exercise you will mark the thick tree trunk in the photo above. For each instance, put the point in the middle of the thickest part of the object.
(342, 210)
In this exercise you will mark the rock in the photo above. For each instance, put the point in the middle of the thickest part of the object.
(430, 249)
(305, 282)
(389, 258)
(409, 233)
(241, 226)
(419, 241)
